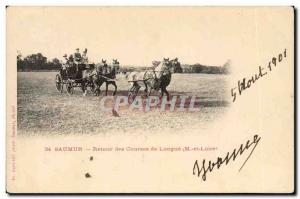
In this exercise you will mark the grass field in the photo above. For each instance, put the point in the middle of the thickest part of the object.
(42, 110)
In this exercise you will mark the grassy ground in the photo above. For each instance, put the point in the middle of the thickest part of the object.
(42, 110)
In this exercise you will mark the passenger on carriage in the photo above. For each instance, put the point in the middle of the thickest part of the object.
(77, 57)
(65, 62)
(66, 57)
(71, 63)
(64, 65)
(85, 59)
(71, 59)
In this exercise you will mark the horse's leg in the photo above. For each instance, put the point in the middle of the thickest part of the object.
(136, 91)
(137, 88)
(115, 85)
(133, 91)
(100, 84)
(132, 88)
(93, 86)
(167, 93)
(150, 90)
(107, 83)
(82, 85)
(86, 87)
(96, 87)
(130, 93)
(161, 93)
(146, 89)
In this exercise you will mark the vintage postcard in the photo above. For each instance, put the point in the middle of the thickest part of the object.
(150, 100)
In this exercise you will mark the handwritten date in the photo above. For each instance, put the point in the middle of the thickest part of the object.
(246, 83)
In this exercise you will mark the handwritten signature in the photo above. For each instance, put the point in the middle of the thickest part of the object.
(230, 156)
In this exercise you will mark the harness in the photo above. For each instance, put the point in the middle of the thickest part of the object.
(146, 79)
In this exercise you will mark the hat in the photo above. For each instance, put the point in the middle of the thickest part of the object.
(85, 50)
(77, 48)
(65, 55)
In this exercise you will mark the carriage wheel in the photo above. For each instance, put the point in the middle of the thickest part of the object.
(70, 89)
(59, 83)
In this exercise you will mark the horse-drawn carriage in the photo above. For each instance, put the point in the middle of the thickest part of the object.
(87, 75)
(71, 77)
(94, 75)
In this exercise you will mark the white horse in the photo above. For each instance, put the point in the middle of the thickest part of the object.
(157, 79)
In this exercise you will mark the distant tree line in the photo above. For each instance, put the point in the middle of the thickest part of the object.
(186, 68)
(198, 68)
(37, 62)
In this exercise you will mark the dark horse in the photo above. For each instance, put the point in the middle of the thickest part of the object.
(90, 77)
(107, 74)
(110, 75)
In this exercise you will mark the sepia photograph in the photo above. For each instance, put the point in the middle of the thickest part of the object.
(119, 76)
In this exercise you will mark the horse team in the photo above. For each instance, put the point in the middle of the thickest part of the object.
(156, 78)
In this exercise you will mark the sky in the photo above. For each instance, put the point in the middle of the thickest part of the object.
(135, 36)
